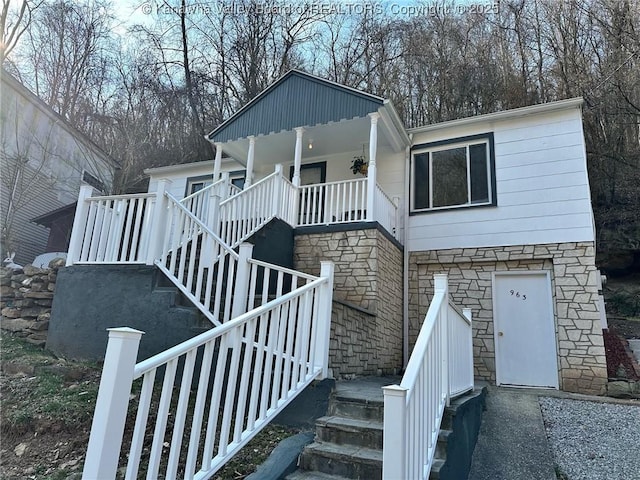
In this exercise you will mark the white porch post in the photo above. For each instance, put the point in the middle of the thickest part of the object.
(371, 174)
(79, 225)
(110, 414)
(250, 156)
(297, 158)
(217, 162)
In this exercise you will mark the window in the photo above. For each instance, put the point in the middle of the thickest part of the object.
(451, 174)
(195, 184)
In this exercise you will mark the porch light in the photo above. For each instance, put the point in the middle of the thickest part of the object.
(310, 146)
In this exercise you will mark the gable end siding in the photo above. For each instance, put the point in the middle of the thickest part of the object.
(298, 100)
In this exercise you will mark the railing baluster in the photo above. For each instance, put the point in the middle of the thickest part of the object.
(141, 424)
(198, 410)
(161, 420)
(181, 414)
(241, 408)
(136, 231)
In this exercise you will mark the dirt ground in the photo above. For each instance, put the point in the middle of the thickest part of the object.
(46, 410)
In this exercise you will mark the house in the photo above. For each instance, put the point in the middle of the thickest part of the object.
(500, 202)
(326, 239)
(45, 160)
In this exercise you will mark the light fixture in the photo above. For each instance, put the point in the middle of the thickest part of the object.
(310, 146)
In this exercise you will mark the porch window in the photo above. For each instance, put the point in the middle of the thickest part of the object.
(453, 173)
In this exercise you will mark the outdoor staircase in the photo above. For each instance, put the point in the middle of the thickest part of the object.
(348, 443)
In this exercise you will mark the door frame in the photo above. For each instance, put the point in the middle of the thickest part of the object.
(321, 165)
(550, 311)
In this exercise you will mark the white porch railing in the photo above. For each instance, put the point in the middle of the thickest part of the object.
(386, 212)
(246, 372)
(413, 410)
(333, 202)
(125, 228)
(111, 229)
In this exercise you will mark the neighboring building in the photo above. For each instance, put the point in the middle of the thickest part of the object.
(44, 160)
(499, 202)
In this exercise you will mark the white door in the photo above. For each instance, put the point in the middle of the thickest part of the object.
(524, 329)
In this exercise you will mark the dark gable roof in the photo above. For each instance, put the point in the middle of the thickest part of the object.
(297, 99)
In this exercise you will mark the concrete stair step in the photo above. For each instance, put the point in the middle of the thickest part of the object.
(348, 461)
(436, 466)
(441, 444)
(306, 475)
(360, 398)
(350, 431)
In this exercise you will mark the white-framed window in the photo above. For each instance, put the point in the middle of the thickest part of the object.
(453, 173)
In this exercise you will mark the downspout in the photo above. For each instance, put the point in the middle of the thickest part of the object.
(405, 257)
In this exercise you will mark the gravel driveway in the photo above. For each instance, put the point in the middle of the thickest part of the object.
(593, 440)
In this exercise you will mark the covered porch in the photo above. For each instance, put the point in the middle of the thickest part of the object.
(342, 150)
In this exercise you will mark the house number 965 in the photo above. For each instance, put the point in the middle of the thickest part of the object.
(518, 294)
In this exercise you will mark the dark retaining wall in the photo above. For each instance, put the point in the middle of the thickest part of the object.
(91, 298)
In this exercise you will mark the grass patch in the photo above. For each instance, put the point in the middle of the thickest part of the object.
(39, 394)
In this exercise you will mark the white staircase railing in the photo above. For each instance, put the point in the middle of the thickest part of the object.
(243, 214)
(242, 373)
(413, 410)
(198, 202)
(198, 262)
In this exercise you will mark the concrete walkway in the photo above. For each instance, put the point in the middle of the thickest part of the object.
(512, 444)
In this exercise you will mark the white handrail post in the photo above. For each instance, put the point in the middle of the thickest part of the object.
(469, 316)
(440, 285)
(324, 319)
(394, 451)
(277, 194)
(79, 224)
(224, 176)
(241, 288)
(213, 222)
(371, 172)
(159, 223)
(110, 414)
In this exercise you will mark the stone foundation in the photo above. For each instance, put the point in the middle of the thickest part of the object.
(26, 297)
(366, 329)
(581, 355)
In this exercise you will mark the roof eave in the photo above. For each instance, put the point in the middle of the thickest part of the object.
(502, 115)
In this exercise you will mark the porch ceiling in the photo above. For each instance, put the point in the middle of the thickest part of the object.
(327, 139)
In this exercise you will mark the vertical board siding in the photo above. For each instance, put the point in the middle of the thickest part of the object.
(542, 188)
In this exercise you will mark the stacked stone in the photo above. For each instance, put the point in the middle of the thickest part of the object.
(573, 271)
(366, 323)
(26, 297)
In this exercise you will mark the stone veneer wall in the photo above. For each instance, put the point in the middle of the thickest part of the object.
(366, 329)
(581, 354)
